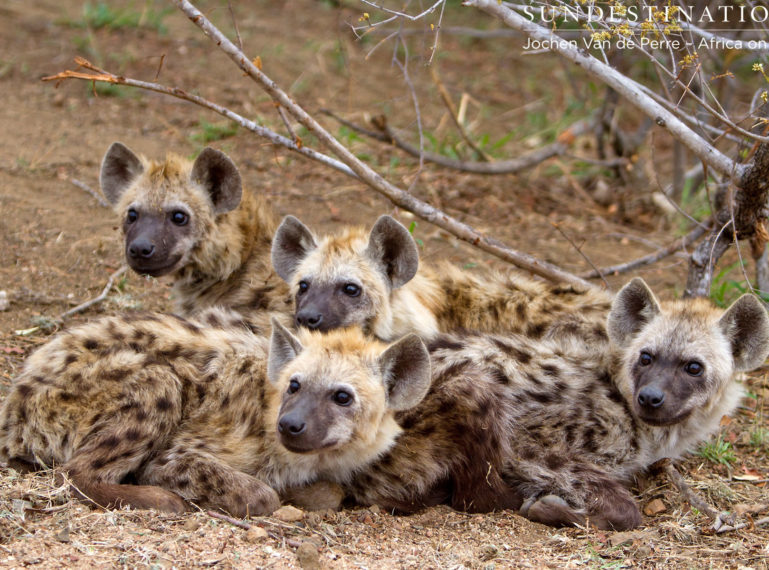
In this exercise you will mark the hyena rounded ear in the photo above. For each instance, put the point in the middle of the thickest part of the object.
(392, 247)
(119, 168)
(633, 307)
(284, 347)
(219, 177)
(405, 367)
(291, 244)
(746, 325)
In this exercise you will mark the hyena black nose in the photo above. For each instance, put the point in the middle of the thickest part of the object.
(651, 397)
(141, 248)
(309, 319)
(289, 425)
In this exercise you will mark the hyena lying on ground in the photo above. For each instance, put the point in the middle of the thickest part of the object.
(200, 413)
(511, 422)
(193, 222)
(371, 280)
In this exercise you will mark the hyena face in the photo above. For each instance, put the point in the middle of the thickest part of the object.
(339, 391)
(347, 279)
(167, 207)
(682, 360)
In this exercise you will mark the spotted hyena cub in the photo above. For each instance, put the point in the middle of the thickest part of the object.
(584, 423)
(193, 222)
(373, 279)
(202, 414)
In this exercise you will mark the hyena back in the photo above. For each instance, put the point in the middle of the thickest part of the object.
(193, 222)
(373, 279)
(197, 410)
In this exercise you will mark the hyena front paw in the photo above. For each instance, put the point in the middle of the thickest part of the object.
(318, 496)
(252, 499)
(552, 510)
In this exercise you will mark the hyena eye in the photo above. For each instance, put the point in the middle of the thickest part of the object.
(351, 289)
(293, 386)
(179, 218)
(694, 368)
(645, 359)
(303, 286)
(342, 398)
(131, 216)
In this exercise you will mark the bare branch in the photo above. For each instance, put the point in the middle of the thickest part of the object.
(83, 186)
(678, 245)
(528, 160)
(446, 98)
(101, 75)
(581, 253)
(690, 496)
(98, 299)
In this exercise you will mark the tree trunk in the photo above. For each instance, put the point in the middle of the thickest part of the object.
(744, 209)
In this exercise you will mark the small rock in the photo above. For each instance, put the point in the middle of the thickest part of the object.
(256, 534)
(375, 509)
(4, 304)
(643, 551)
(63, 535)
(654, 507)
(288, 513)
(191, 525)
(308, 556)
(488, 552)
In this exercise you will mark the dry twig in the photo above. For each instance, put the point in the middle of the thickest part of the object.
(91, 191)
(455, 116)
(385, 133)
(103, 295)
(677, 245)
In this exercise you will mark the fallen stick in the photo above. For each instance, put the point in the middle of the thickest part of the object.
(99, 298)
(91, 191)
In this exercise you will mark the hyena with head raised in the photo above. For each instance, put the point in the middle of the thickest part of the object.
(193, 222)
(585, 421)
(201, 413)
(373, 279)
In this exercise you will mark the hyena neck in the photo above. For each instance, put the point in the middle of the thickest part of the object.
(287, 469)
(412, 310)
(237, 246)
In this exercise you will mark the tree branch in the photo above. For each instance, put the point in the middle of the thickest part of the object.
(385, 133)
(103, 76)
(677, 245)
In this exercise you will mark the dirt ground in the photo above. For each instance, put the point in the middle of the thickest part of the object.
(58, 247)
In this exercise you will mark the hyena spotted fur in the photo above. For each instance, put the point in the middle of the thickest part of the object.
(373, 279)
(197, 411)
(556, 432)
(193, 222)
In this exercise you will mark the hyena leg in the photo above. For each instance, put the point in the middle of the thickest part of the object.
(203, 478)
(119, 445)
(578, 493)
